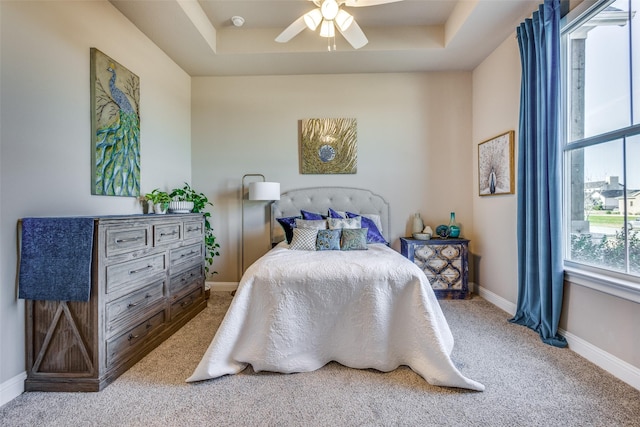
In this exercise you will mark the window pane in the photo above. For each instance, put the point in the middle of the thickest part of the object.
(597, 206)
(599, 73)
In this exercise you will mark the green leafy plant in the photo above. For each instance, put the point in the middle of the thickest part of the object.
(200, 202)
(607, 251)
(157, 196)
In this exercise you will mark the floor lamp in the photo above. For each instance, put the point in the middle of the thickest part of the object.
(258, 190)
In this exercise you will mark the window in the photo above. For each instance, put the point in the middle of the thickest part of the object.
(601, 66)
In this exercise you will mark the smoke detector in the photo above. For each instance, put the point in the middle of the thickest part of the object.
(237, 21)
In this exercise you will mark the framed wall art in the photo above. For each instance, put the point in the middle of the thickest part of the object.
(328, 146)
(495, 165)
(115, 128)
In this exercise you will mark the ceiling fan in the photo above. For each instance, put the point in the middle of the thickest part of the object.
(330, 15)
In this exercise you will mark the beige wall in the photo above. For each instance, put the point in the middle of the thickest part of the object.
(594, 321)
(413, 133)
(45, 141)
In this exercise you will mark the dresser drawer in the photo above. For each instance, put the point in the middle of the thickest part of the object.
(166, 233)
(193, 230)
(129, 275)
(184, 257)
(184, 304)
(125, 310)
(123, 240)
(179, 283)
(122, 345)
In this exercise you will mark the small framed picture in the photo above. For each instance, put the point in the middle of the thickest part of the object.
(495, 165)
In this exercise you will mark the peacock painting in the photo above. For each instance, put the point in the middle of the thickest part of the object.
(115, 126)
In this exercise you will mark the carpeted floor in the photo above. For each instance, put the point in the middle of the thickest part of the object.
(528, 384)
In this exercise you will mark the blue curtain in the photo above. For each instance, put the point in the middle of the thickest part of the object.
(540, 274)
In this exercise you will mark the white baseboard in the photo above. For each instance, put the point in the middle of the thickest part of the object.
(222, 286)
(497, 300)
(12, 388)
(617, 367)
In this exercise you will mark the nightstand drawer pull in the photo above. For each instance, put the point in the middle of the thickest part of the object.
(148, 267)
(189, 254)
(133, 337)
(173, 233)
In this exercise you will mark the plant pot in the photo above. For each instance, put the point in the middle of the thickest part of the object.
(160, 208)
(180, 207)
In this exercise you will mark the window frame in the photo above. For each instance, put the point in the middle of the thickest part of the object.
(611, 282)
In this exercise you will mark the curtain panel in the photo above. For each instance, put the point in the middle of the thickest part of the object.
(539, 184)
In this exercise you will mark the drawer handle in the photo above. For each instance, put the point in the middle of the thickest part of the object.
(186, 303)
(134, 304)
(184, 279)
(173, 233)
(131, 239)
(141, 269)
(190, 253)
(193, 229)
(133, 337)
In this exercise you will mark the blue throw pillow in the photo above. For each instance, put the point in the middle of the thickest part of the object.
(312, 215)
(373, 234)
(288, 224)
(354, 239)
(335, 214)
(328, 240)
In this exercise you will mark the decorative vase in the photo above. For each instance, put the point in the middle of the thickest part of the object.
(418, 225)
(160, 208)
(454, 229)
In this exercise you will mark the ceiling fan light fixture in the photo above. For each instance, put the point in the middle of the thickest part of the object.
(344, 20)
(329, 9)
(327, 29)
(313, 19)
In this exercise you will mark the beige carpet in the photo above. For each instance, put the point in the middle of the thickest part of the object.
(528, 384)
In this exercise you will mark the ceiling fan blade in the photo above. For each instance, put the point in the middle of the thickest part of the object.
(354, 35)
(292, 30)
(362, 3)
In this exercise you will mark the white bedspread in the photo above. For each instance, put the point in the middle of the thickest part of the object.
(295, 311)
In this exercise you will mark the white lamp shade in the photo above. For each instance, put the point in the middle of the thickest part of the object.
(344, 20)
(327, 29)
(313, 19)
(264, 190)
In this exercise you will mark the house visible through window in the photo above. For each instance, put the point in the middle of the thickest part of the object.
(601, 67)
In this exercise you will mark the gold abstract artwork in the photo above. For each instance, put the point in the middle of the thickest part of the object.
(328, 146)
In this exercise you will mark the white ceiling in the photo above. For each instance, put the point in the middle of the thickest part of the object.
(405, 36)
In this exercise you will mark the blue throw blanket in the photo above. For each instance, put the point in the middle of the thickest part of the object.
(55, 260)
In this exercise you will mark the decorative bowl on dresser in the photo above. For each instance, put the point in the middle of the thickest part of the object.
(147, 281)
(444, 261)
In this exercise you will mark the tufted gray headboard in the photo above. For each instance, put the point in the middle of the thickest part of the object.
(320, 199)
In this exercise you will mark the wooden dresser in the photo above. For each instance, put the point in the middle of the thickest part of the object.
(147, 282)
(445, 263)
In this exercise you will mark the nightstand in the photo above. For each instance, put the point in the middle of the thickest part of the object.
(444, 261)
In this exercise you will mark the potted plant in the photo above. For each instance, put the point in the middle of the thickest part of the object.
(186, 194)
(159, 200)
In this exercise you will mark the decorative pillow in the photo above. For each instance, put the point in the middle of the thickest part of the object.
(373, 235)
(373, 217)
(317, 224)
(336, 214)
(354, 239)
(288, 224)
(311, 215)
(335, 223)
(328, 240)
(304, 239)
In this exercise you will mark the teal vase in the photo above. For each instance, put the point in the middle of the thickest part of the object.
(454, 229)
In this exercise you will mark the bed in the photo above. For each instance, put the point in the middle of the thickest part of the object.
(297, 310)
